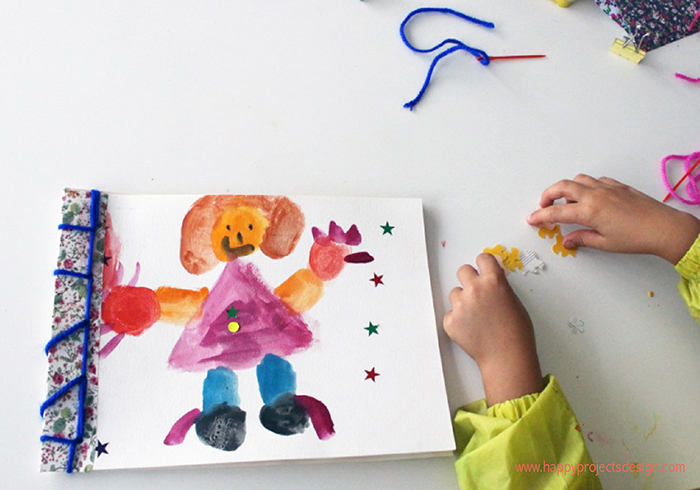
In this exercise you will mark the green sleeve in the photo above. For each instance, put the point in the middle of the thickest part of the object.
(689, 284)
(532, 430)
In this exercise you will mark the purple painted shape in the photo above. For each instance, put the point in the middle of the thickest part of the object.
(353, 237)
(319, 415)
(120, 273)
(316, 233)
(181, 427)
(111, 345)
(358, 258)
(104, 328)
(137, 273)
(336, 233)
(267, 326)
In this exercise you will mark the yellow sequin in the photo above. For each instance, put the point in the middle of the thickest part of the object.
(510, 260)
(560, 249)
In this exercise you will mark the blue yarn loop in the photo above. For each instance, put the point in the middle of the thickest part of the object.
(457, 45)
(64, 272)
(66, 333)
(81, 380)
(65, 226)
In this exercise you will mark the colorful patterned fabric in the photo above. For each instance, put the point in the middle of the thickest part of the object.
(653, 23)
(65, 358)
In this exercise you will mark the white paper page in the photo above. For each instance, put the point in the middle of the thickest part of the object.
(403, 412)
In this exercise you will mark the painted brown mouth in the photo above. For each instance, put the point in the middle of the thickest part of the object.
(241, 251)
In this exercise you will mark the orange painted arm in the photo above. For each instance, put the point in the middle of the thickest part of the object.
(180, 305)
(301, 291)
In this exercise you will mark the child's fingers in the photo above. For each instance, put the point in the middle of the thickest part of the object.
(586, 180)
(466, 273)
(562, 213)
(563, 189)
(488, 264)
(454, 296)
(447, 323)
(584, 238)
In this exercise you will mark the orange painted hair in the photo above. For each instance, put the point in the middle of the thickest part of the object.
(281, 236)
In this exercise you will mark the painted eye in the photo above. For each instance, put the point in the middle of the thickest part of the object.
(228, 227)
(250, 227)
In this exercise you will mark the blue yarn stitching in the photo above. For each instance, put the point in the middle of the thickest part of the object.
(66, 333)
(457, 45)
(64, 272)
(81, 380)
(66, 226)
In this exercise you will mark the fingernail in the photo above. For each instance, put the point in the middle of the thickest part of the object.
(569, 245)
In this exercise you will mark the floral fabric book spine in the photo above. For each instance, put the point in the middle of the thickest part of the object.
(68, 438)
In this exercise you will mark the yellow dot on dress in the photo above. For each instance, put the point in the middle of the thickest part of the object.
(651, 294)
(234, 327)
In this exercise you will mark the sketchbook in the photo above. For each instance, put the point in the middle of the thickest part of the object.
(239, 329)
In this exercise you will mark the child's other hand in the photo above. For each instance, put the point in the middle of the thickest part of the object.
(490, 323)
(618, 217)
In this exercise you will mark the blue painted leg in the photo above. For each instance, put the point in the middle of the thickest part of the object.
(275, 377)
(222, 423)
(281, 414)
(220, 386)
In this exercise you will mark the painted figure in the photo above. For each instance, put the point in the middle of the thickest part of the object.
(242, 323)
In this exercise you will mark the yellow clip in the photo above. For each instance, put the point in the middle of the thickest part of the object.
(510, 260)
(563, 3)
(628, 50)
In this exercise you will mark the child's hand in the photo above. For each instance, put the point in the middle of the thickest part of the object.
(490, 323)
(619, 218)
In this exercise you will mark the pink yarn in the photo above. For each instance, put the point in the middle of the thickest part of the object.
(691, 188)
(687, 78)
(695, 19)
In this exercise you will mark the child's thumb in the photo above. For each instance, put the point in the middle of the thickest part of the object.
(584, 238)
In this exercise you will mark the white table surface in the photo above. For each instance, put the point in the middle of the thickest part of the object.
(305, 97)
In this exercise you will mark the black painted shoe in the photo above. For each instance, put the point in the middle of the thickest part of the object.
(285, 416)
(222, 427)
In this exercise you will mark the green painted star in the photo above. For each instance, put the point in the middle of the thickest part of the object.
(387, 228)
(232, 312)
(372, 329)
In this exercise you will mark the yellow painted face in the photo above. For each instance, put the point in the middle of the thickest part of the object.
(238, 232)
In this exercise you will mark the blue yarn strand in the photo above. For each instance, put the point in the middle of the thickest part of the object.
(71, 455)
(476, 52)
(54, 398)
(57, 439)
(81, 380)
(425, 10)
(66, 333)
(64, 272)
(457, 45)
(66, 226)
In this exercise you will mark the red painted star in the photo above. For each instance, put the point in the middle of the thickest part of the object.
(377, 280)
(371, 375)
